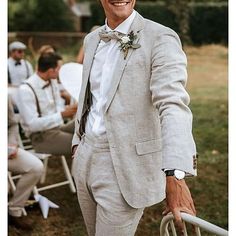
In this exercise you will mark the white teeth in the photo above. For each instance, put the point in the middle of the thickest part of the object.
(119, 4)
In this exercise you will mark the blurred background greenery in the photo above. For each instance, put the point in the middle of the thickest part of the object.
(203, 28)
(196, 21)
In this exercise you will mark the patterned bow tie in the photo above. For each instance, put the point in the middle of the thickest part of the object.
(107, 36)
(17, 63)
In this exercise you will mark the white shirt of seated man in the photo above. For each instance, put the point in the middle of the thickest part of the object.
(47, 92)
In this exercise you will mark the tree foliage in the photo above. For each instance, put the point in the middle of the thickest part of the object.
(180, 9)
(39, 15)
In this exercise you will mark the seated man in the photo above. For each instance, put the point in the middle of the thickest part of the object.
(19, 69)
(40, 109)
(24, 163)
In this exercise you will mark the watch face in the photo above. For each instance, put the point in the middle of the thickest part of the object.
(179, 174)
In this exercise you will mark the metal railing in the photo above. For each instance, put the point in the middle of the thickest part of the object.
(167, 224)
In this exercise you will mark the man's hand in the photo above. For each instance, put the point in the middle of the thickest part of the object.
(12, 151)
(178, 198)
(69, 111)
(66, 96)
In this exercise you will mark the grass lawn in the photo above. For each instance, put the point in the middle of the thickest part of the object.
(207, 86)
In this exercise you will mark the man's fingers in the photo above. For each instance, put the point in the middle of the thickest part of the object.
(186, 210)
(178, 219)
(166, 211)
(193, 208)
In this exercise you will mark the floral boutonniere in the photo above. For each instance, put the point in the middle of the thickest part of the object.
(127, 42)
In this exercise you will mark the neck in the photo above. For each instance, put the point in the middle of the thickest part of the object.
(114, 23)
(42, 75)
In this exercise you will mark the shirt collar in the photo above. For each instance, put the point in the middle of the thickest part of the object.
(124, 26)
(40, 81)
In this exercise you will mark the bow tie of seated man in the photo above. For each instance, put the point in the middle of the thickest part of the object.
(107, 36)
(47, 84)
(17, 63)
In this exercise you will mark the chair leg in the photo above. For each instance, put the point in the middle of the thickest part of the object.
(35, 190)
(68, 175)
(24, 212)
(13, 188)
(11, 182)
(45, 166)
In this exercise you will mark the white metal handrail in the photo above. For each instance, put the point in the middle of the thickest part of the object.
(197, 222)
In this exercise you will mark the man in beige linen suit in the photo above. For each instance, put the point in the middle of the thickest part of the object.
(133, 142)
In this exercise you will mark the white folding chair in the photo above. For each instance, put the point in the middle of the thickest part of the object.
(26, 144)
(167, 227)
(13, 187)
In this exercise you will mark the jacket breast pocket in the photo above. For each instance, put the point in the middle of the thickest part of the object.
(148, 147)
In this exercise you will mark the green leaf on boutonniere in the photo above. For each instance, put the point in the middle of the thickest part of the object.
(126, 53)
(135, 46)
(127, 42)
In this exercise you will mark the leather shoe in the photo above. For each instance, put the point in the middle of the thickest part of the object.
(20, 223)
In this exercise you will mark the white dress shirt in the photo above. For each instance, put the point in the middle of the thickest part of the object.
(101, 75)
(18, 73)
(49, 103)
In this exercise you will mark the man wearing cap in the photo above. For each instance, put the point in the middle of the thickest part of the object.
(19, 69)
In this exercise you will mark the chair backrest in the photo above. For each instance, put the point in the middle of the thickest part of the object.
(167, 226)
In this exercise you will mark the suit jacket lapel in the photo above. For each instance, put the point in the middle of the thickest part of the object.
(136, 27)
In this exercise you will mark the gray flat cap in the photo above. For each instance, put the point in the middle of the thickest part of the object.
(16, 45)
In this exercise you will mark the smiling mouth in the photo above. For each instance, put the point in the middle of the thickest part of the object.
(119, 3)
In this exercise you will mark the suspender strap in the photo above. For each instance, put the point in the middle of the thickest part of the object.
(27, 70)
(8, 75)
(36, 99)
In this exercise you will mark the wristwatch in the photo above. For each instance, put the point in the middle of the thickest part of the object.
(178, 174)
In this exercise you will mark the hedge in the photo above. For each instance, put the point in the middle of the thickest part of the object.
(39, 15)
(208, 23)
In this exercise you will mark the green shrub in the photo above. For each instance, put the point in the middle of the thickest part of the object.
(40, 15)
(158, 13)
(209, 24)
(152, 11)
(97, 16)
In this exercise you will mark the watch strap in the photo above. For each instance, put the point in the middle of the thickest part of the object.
(170, 172)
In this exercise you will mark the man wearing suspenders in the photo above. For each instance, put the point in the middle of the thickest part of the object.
(41, 111)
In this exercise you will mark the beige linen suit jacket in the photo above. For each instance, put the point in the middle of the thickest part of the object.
(147, 119)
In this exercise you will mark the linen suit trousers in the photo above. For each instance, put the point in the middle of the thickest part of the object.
(31, 169)
(104, 209)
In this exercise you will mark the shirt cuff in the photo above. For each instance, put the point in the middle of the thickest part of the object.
(58, 119)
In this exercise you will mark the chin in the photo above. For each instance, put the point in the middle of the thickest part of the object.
(122, 14)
